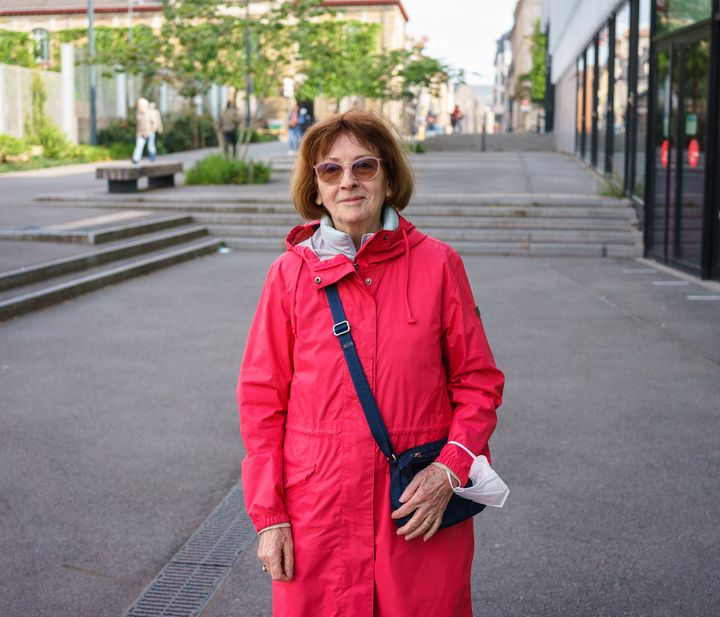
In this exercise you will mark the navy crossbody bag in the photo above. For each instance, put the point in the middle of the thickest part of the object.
(404, 466)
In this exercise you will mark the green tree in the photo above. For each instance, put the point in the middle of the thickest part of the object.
(339, 58)
(532, 84)
(113, 48)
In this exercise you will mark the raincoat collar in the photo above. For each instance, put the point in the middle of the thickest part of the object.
(382, 246)
(327, 241)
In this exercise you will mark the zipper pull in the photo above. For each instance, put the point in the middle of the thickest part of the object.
(357, 267)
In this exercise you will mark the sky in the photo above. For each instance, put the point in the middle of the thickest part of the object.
(462, 33)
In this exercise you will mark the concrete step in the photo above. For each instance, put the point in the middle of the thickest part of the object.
(97, 236)
(454, 235)
(181, 200)
(499, 142)
(528, 249)
(622, 211)
(426, 221)
(119, 250)
(31, 299)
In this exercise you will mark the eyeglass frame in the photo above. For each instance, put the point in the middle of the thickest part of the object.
(348, 166)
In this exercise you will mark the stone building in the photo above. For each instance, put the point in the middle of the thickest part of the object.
(501, 102)
(524, 116)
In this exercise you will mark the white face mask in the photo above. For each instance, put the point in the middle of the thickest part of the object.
(487, 487)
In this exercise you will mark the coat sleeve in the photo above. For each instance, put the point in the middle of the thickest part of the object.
(475, 384)
(262, 392)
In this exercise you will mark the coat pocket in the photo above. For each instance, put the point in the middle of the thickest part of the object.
(298, 478)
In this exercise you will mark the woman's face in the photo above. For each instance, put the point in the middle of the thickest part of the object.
(354, 205)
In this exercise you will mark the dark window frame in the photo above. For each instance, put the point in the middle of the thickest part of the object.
(594, 111)
(610, 103)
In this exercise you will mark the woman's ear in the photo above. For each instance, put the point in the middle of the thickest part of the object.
(318, 200)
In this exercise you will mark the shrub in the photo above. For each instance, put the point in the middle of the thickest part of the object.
(612, 189)
(261, 136)
(415, 147)
(90, 154)
(216, 169)
(180, 133)
(55, 144)
(121, 150)
(117, 132)
(11, 146)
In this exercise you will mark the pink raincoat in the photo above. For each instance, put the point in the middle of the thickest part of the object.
(311, 459)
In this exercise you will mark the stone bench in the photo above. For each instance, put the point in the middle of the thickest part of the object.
(123, 178)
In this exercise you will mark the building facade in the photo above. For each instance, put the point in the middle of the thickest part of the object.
(636, 97)
(524, 116)
(503, 61)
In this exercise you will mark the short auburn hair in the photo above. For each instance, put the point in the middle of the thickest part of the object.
(372, 131)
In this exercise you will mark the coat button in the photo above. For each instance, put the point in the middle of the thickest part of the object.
(318, 280)
(368, 281)
(386, 237)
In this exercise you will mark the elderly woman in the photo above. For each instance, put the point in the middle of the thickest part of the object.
(147, 124)
(316, 484)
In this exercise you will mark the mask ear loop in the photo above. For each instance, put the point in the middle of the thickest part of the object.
(458, 489)
(464, 448)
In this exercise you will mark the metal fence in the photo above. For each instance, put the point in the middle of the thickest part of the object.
(16, 97)
(116, 94)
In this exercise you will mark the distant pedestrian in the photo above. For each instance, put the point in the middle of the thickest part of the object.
(430, 122)
(229, 122)
(157, 121)
(294, 131)
(145, 130)
(305, 120)
(456, 120)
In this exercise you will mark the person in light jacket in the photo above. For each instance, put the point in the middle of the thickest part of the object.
(146, 127)
(316, 485)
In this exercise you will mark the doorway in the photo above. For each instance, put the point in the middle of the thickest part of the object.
(680, 138)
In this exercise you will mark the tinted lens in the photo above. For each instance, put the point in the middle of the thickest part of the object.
(329, 172)
(365, 169)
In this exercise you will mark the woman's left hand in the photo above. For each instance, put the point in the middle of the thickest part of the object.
(427, 495)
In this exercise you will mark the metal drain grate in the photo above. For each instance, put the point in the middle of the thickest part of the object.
(187, 583)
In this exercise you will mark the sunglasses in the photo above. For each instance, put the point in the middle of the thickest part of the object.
(363, 169)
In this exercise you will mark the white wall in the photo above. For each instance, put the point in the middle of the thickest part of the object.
(572, 25)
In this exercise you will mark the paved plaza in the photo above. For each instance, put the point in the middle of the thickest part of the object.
(119, 431)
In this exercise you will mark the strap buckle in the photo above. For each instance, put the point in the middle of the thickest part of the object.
(340, 328)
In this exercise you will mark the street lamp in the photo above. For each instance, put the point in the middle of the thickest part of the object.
(248, 77)
(91, 53)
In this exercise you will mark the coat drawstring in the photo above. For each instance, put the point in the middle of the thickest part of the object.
(408, 310)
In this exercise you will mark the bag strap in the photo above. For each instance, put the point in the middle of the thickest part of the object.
(341, 329)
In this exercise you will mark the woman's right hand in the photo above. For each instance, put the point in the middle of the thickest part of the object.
(276, 553)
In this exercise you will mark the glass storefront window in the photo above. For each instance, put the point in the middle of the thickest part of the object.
(589, 91)
(579, 113)
(676, 14)
(642, 96)
(603, 95)
(694, 135)
(620, 96)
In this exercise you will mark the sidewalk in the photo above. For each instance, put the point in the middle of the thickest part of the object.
(120, 435)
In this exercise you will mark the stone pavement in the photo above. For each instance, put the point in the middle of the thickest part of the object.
(120, 435)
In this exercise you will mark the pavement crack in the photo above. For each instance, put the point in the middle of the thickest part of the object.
(74, 568)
